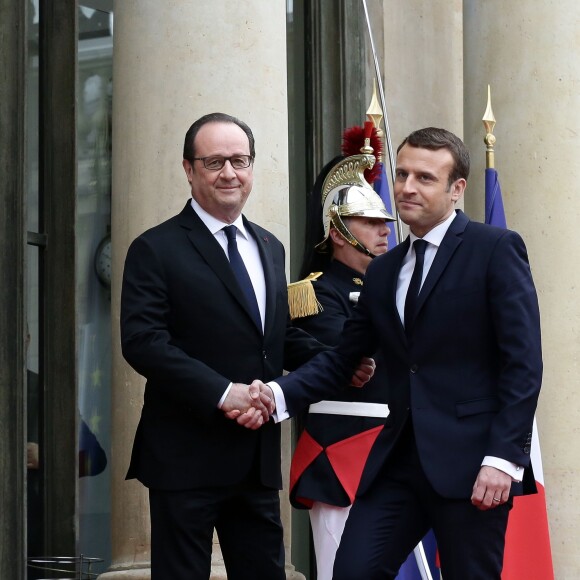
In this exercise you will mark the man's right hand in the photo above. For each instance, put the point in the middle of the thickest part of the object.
(252, 419)
(250, 406)
(266, 394)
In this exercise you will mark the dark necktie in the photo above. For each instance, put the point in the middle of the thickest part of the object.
(241, 274)
(415, 285)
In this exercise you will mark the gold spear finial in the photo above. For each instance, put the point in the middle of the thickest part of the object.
(489, 139)
(375, 115)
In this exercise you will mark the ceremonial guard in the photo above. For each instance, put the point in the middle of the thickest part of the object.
(351, 219)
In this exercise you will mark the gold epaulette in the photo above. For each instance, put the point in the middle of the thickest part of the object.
(302, 298)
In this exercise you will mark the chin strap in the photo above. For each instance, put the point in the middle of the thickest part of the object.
(341, 228)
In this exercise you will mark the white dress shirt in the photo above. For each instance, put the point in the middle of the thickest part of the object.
(434, 237)
(248, 248)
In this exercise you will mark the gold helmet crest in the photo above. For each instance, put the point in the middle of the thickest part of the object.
(346, 193)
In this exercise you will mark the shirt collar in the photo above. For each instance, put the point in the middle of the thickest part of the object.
(213, 224)
(436, 235)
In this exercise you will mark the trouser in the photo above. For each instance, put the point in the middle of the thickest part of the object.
(247, 522)
(399, 507)
(327, 523)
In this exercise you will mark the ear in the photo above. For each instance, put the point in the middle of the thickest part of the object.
(336, 238)
(188, 169)
(458, 188)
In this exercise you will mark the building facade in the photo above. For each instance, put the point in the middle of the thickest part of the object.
(95, 98)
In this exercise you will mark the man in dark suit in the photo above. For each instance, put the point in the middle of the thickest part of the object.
(464, 368)
(190, 329)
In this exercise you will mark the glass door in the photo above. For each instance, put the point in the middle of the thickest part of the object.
(93, 271)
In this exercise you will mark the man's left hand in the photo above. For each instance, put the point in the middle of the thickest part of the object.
(491, 489)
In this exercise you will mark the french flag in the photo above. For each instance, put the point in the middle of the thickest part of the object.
(527, 547)
(381, 186)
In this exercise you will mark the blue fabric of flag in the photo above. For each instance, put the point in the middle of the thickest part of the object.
(410, 571)
(494, 212)
(382, 188)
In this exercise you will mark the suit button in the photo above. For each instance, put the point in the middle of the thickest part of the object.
(414, 368)
(264, 354)
(527, 450)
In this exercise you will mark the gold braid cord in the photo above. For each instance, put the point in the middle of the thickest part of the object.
(302, 298)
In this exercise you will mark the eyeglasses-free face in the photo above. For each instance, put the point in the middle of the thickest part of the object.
(216, 162)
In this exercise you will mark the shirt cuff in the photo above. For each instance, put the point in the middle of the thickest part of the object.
(281, 413)
(516, 472)
(221, 401)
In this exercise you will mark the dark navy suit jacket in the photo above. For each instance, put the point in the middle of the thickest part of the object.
(468, 372)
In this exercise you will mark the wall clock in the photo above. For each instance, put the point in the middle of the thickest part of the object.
(103, 261)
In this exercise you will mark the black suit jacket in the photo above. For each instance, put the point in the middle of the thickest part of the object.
(186, 328)
(468, 373)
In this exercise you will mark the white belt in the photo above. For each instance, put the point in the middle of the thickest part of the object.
(350, 408)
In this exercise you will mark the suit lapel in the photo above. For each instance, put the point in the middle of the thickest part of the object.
(269, 276)
(451, 241)
(212, 253)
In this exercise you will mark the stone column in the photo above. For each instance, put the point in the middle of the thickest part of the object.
(423, 65)
(174, 62)
(423, 78)
(527, 52)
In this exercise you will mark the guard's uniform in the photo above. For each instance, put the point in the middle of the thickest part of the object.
(331, 452)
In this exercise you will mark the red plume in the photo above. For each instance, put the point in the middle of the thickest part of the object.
(352, 141)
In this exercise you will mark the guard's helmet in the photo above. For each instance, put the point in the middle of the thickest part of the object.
(346, 193)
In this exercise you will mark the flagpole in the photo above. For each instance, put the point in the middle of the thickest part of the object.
(375, 115)
(385, 117)
(494, 212)
(489, 139)
(528, 520)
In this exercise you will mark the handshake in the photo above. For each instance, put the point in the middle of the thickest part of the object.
(249, 405)
(252, 405)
